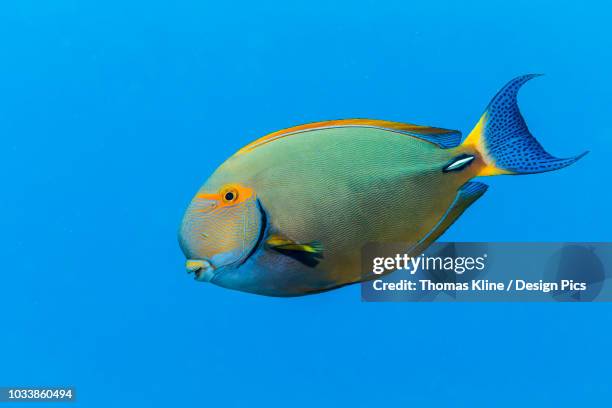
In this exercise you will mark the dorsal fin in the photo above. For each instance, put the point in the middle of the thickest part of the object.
(444, 138)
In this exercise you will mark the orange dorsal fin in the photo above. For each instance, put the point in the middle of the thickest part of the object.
(429, 133)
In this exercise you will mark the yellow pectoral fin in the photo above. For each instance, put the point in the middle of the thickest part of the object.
(308, 253)
(278, 240)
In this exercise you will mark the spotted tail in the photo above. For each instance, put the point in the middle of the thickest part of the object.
(503, 141)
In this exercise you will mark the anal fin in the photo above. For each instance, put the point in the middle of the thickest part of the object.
(466, 195)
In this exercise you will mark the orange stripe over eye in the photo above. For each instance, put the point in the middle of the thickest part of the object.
(228, 195)
(214, 197)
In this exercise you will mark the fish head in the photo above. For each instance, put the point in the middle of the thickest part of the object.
(221, 228)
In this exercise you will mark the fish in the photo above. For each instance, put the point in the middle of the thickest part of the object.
(288, 214)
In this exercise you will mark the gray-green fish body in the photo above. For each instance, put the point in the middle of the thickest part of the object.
(290, 213)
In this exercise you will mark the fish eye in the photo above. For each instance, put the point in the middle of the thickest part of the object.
(229, 195)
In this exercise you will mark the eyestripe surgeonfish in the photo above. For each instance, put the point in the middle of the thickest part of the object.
(288, 214)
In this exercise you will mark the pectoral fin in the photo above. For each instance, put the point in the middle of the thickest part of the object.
(309, 253)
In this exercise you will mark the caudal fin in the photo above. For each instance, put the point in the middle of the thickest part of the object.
(502, 138)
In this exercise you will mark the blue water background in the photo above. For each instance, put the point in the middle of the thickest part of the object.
(113, 113)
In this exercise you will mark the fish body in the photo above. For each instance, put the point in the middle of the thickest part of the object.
(305, 200)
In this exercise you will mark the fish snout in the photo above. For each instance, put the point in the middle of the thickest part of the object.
(202, 269)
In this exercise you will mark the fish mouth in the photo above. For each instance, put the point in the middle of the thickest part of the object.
(202, 269)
